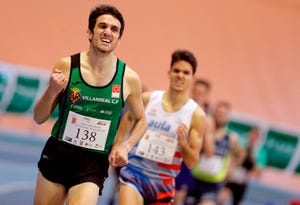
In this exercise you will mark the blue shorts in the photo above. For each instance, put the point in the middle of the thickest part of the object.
(69, 165)
(152, 189)
(184, 179)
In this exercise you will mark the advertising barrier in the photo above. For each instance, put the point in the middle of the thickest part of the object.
(21, 87)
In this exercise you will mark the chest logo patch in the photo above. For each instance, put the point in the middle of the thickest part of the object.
(74, 95)
(115, 91)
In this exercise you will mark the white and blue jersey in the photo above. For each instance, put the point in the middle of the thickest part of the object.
(156, 160)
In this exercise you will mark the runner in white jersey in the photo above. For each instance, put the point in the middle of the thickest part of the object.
(175, 131)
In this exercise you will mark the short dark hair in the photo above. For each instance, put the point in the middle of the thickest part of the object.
(185, 55)
(204, 82)
(224, 103)
(102, 10)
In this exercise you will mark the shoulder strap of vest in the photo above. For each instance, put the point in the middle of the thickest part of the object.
(121, 64)
(121, 71)
(75, 60)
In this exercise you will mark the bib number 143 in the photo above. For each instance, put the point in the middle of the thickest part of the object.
(157, 147)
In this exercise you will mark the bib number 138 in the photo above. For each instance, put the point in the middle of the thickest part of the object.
(86, 131)
(86, 135)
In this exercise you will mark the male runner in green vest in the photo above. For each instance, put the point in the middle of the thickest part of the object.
(90, 89)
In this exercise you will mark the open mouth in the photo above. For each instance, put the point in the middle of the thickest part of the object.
(105, 41)
(179, 82)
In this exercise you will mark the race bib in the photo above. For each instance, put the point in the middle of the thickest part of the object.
(157, 147)
(86, 131)
(210, 165)
(239, 175)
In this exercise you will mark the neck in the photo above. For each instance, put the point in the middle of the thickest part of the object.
(220, 125)
(100, 61)
(174, 101)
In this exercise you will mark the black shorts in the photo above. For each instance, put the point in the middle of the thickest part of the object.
(201, 191)
(238, 191)
(69, 165)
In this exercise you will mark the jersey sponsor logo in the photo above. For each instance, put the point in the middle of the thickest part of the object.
(75, 83)
(78, 107)
(106, 112)
(102, 100)
(74, 95)
(159, 125)
(115, 91)
(152, 112)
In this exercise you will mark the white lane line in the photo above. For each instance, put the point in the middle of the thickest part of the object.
(16, 186)
(20, 148)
